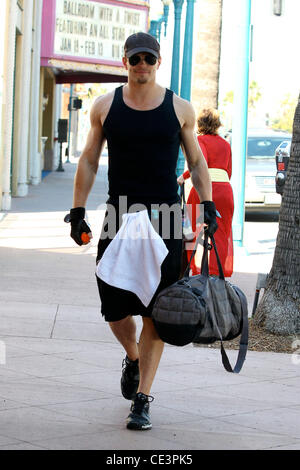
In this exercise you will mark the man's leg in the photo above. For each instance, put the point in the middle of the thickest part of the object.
(150, 348)
(150, 351)
(125, 332)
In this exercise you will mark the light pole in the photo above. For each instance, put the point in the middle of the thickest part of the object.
(166, 4)
(70, 121)
(186, 72)
(240, 118)
(176, 46)
(153, 28)
(155, 25)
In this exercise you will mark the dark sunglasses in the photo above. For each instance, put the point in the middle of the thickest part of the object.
(149, 59)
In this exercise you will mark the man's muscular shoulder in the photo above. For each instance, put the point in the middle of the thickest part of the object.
(102, 106)
(184, 111)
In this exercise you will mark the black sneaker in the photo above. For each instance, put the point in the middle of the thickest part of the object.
(139, 416)
(130, 378)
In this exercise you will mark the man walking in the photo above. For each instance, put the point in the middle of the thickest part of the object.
(144, 124)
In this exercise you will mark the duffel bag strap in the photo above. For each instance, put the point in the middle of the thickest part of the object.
(243, 340)
(204, 263)
(245, 330)
(187, 271)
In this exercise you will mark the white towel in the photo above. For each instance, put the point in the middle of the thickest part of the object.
(133, 259)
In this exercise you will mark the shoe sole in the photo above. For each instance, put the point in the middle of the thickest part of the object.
(138, 427)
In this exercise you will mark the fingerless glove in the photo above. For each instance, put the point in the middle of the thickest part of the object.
(78, 224)
(210, 217)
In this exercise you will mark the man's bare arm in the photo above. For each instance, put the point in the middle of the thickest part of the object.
(195, 159)
(196, 163)
(89, 159)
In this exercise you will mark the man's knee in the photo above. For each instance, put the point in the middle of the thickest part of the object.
(121, 323)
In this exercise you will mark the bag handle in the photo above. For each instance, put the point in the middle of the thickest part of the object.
(204, 262)
(187, 271)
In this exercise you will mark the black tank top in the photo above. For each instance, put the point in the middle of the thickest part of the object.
(143, 151)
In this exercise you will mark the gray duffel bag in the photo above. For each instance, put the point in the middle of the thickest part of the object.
(203, 309)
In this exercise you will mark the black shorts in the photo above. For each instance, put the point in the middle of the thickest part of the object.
(116, 303)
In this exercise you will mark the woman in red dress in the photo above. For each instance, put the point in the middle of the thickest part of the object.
(217, 153)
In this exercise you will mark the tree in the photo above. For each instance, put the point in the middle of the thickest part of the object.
(284, 118)
(228, 98)
(279, 309)
(206, 69)
(254, 95)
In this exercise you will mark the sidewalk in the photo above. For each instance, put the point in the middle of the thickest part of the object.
(60, 364)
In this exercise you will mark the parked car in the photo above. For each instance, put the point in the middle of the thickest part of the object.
(260, 188)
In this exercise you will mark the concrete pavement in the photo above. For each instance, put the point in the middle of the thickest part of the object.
(60, 365)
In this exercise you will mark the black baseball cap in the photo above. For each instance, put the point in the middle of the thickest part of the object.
(141, 42)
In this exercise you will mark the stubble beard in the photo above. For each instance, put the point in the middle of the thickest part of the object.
(142, 80)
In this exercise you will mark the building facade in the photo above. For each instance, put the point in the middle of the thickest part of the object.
(19, 61)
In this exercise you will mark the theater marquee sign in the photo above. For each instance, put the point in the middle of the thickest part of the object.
(92, 31)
